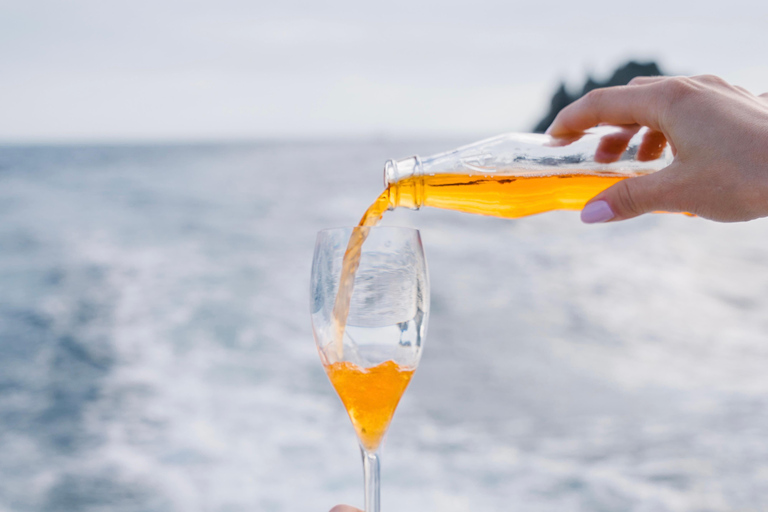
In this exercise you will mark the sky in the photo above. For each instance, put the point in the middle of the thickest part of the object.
(171, 70)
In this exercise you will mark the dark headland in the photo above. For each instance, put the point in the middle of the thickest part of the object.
(621, 76)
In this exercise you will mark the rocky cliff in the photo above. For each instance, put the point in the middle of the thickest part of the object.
(621, 76)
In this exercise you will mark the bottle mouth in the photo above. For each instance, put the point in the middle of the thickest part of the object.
(396, 170)
(409, 194)
(389, 173)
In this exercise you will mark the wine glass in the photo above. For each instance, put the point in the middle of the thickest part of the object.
(372, 348)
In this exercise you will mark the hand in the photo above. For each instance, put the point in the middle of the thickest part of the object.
(719, 136)
(345, 508)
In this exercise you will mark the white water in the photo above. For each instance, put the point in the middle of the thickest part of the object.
(157, 355)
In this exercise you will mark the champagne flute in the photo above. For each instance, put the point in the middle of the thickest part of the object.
(386, 322)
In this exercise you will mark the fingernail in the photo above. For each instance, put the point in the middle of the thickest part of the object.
(599, 211)
(548, 130)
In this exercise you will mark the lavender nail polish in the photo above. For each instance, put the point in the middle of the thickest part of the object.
(599, 211)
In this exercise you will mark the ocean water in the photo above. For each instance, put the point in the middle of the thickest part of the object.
(156, 352)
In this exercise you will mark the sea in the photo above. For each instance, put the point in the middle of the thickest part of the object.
(156, 352)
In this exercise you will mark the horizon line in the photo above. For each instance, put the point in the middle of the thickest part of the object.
(238, 140)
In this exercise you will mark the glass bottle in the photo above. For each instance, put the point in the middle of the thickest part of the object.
(520, 174)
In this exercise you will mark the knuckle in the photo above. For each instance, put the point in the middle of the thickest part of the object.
(679, 88)
(710, 79)
(641, 80)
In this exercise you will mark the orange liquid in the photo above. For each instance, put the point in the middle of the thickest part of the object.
(498, 195)
(350, 263)
(370, 395)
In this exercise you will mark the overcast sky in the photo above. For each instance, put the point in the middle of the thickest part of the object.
(174, 70)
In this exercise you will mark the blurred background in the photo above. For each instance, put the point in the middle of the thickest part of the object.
(164, 167)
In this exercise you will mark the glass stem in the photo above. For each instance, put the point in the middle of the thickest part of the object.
(371, 475)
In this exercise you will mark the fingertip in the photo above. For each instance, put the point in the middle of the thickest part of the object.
(556, 128)
(597, 212)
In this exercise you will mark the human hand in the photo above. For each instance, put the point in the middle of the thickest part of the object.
(345, 508)
(717, 131)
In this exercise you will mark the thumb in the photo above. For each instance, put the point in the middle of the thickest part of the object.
(630, 198)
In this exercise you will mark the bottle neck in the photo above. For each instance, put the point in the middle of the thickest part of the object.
(405, 183)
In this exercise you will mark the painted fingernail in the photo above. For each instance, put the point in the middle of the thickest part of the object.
(599, 211)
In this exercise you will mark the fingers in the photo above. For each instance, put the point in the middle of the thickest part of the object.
(612, 146)
(345, 508)
(622, 105)
(632, 197)
(652, 146)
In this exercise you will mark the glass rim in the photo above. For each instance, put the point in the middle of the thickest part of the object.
(375, 228)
